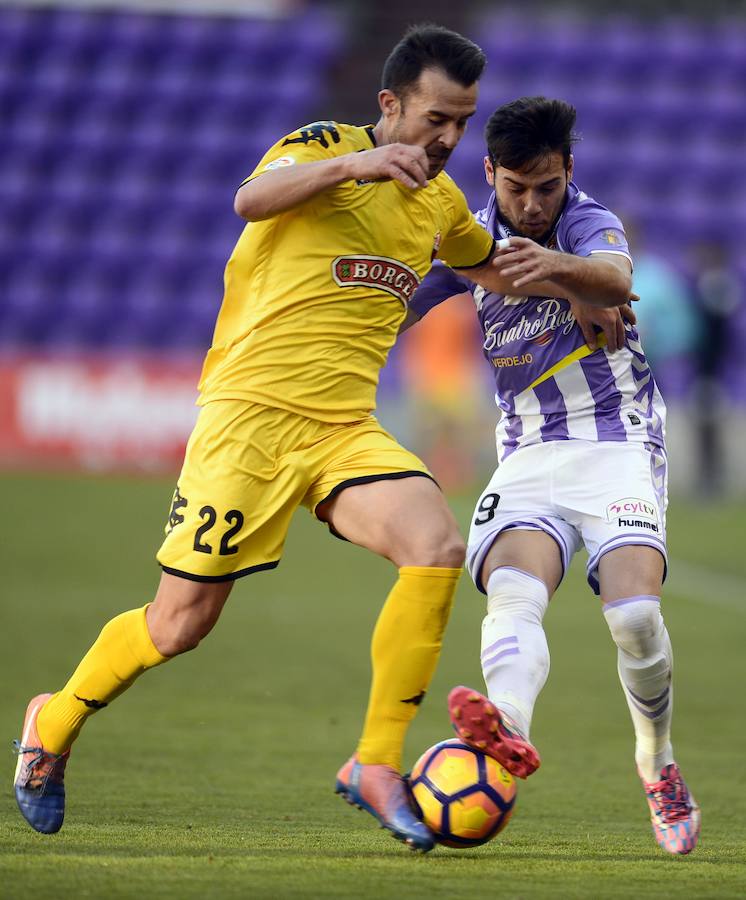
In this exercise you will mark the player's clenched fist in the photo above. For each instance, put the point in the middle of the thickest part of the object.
(405, 163)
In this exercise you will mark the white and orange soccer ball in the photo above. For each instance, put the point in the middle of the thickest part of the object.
(463, 796)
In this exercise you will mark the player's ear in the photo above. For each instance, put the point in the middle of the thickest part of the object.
(570, 167)
(489, 172)
(390, 104)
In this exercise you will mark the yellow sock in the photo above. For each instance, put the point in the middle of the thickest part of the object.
(122, 652)
(405, 649)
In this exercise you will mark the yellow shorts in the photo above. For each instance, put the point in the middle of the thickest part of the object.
(246, 470)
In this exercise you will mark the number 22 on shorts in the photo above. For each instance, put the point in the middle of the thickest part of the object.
(233, 517)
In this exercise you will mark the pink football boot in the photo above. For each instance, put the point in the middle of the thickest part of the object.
(674, 813)
(481, 725)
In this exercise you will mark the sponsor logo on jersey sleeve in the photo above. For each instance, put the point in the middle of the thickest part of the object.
(279, 163)
(379, 272)
(611, 237)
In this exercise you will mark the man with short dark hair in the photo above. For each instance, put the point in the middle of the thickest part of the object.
(581, 452)
(343, 223)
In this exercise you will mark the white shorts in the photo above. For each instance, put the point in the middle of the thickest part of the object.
(601, 494)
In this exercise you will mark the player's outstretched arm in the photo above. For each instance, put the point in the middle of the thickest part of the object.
(605, 279)
(490, 278)
(282, 189)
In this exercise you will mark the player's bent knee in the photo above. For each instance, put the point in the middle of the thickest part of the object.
(444, 552)
(453, 554)
(636, 628)
(179, 633)
(184, 612)
(175, 644)
(511, 591)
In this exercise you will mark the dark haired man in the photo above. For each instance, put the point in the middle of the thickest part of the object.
(581, 458)
(343, 223)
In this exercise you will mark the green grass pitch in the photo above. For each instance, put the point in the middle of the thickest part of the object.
(213, 776)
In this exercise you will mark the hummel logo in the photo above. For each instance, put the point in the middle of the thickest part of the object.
(91, 704)
(416, 700)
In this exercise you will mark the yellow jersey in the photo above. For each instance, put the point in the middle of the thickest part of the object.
(314, 296)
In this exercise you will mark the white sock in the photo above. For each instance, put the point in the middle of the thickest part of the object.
(645, 664)
(515, 655)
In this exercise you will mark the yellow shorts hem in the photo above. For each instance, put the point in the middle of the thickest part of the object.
(369, 479)
(230, 576)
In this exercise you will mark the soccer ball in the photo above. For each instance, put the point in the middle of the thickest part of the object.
(463, 796)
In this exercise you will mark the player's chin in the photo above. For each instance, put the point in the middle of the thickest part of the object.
(436, 167)
(536, 233)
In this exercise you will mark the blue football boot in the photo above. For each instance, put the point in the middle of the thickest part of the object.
(381, 791)
(39, 779)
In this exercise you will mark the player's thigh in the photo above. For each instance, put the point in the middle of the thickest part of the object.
(531, 551)
(630, 571)
(405, 520)
(618, 497)
(235, 495)
(375, 493)
(514, 518)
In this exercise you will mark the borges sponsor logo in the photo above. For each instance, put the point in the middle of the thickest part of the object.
(631, 506)
(380, 272)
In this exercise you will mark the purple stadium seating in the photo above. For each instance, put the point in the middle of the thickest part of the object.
(124, 137)
(660, 110)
